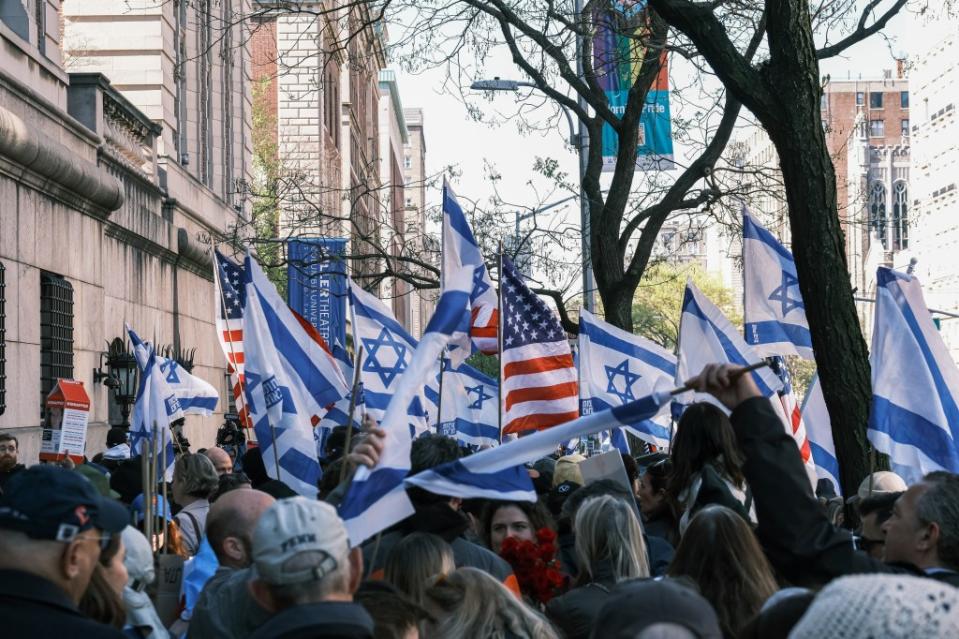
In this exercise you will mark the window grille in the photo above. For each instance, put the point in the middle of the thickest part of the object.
(56, 331)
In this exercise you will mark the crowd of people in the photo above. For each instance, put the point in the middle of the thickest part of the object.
(723, 537)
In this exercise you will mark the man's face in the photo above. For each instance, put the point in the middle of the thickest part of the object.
(222, 461)
(873, 539)
(8, 454)
(903, 530)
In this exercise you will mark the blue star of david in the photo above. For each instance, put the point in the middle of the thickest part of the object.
(171, 374)
(481, 396)
(371, 364)
(629, 378)
(479, 285)
(781, 294)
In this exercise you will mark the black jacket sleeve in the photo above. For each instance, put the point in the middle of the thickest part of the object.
(799, 540)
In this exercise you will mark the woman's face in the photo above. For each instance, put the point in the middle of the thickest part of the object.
(510, 521)
(116, 572)
(650, 500)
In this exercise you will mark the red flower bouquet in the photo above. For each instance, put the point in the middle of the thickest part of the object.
(535, 565)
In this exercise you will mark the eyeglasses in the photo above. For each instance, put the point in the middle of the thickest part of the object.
(8, 449)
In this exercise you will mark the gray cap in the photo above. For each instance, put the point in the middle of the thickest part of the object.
(299, 540)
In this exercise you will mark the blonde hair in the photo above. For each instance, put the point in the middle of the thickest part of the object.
(471, 603)
(415, 560)
(607, 530)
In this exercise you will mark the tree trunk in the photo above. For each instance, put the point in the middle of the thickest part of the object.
(795, 128)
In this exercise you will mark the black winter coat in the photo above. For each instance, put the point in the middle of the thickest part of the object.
(798, 538)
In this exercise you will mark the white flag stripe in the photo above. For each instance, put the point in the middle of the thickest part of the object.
(518, 382)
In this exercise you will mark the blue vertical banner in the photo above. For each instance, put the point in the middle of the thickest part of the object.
(618, 54)
(317, 289)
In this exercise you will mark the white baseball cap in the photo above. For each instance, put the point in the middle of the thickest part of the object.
(881, 482)
(299, 540)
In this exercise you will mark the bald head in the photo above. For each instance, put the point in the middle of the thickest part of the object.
(230, 524)
(221, 460)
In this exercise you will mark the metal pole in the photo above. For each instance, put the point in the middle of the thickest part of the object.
(166, 535)
(439, 404)
(582, 147)
(353, 399)
(499, 340)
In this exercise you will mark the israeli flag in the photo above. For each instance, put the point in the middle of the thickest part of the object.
(615, 368)
(376, 498)
(819, 434)
(387, 353)
(707, 337)
(915, 383)
(460, 249)
(775, 317)
(156, 403)
(470, 407)
(339, 413)
(289, 379)
(499, 473)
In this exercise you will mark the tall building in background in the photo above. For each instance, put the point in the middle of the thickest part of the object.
(422, 302)
(119, 154)
(333, 133)
(186, 67)
(934, 195)
(396, 229)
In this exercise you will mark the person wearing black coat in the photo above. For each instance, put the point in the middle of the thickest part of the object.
(797, 537)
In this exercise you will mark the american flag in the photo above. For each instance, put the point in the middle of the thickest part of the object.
(539, 377)
(229, 326)
(792, 409)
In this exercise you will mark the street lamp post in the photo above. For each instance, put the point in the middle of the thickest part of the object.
(580, 141)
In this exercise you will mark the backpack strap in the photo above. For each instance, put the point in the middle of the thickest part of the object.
(195, 524)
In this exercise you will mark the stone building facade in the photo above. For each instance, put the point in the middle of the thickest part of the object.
(102, 218)
(934, 240)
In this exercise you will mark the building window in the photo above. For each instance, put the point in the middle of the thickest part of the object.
(407, 162)
(823, 102)
(3, 340)
(331, 100)
(900, 220)
(180, 140)
(860, 98)
(204, 34)
(56, 332)
(904, 127)
(904, 99)
(40, 14)
(877, 211)
(875, 100)
(877, 128)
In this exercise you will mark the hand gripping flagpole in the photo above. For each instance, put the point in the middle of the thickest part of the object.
(685, 388)
(226, 320)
